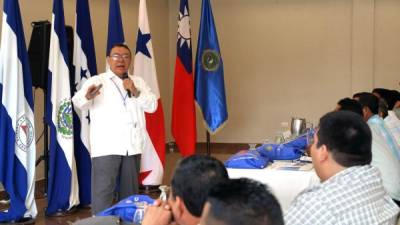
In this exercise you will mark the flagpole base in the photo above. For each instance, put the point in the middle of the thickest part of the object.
(63, 213)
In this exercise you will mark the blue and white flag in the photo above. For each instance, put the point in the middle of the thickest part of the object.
(17, 137)
(85, 66)
(209, 73)
(115, 28)
(63, 189)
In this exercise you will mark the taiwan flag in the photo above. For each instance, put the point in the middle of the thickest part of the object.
(183, 109)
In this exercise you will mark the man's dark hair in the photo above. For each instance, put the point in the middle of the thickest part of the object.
(347, 137)
(194, 177)
(390, 96)
(121, 45)
(358, 94)
(243, 201)
(370, 101)
(349, 104)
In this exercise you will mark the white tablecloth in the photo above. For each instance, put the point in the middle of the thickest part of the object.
(285, 184)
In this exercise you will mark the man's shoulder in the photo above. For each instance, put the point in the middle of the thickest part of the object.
(309, 208)
(309, 197)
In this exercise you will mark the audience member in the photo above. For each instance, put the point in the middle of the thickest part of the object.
(349, 105)
(351, 190)
(385, 151)
(370, 104)
(392, 122)
(190, 184)
(390, 96)
(393, 125)
(241, 201)
(383, 108)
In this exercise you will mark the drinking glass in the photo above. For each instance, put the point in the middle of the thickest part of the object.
(252, 146)
(139, 212)
(310, 136)
(164, 193)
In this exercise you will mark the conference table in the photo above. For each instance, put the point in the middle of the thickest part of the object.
(283, 179)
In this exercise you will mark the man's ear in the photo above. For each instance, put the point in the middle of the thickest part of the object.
(179, 207)
(108, 58)
(323, 153)
(366, 112)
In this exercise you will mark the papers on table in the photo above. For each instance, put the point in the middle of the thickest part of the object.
(290, 165)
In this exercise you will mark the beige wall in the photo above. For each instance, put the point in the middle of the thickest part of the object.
(282, 58)
(287, 58)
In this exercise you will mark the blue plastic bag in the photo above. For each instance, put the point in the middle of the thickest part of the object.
(125, 209)
(247, 159)
(288, 151)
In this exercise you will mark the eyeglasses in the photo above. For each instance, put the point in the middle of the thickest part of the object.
(117, 57)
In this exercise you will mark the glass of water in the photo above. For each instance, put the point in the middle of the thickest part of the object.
(139, 212)
(164, 193)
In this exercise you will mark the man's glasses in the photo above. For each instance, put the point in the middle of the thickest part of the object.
(117, 57)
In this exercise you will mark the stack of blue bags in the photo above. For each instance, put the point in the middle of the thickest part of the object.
(262, 155)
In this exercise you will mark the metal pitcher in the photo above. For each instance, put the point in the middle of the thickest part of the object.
(298, 126)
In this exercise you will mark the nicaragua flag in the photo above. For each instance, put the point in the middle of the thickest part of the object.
(209, 72)
(17, 137)
(115, 29)
(153, 156)
(85, 66)
(183, 111)
(63, 183)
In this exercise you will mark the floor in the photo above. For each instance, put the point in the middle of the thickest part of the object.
(219, 151)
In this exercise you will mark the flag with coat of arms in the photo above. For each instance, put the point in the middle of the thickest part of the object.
(63, 191)
(209, 73)
(17, 128)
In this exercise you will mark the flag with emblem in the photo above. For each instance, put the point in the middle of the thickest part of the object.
(84, 62)
(63, 192)
(115, 28)
(17, 137)
(209, 73)
(183, 110)
(153, 156)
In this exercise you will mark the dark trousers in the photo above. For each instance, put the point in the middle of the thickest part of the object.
(107, 172)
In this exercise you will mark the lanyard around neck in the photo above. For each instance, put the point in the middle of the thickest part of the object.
(120, 92)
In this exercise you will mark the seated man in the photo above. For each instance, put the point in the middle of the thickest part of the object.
(385, 151)
(192, 180)
(393, 125)
(351, 190)
(241, 201)
(349, 104)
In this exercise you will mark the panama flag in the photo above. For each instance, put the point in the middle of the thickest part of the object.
(183, 110)
(63, 183)
(153, 156)
(209, 73)
(17, 137)
(85, 66)
(115, 29)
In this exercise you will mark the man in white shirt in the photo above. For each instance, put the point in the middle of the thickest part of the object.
(385, 151)
(117, 103)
